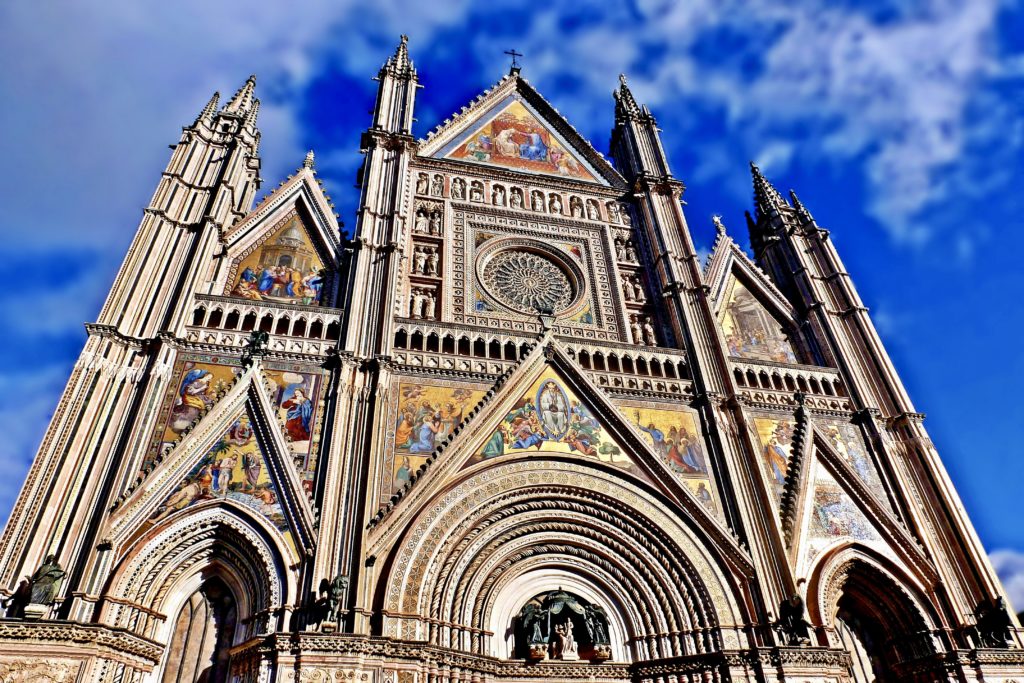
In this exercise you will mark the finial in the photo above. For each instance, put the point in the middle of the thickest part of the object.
(308, 162)
(719, 226)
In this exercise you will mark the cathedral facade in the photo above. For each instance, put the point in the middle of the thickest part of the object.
(513, 430)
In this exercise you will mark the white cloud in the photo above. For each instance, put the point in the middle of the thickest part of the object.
(1009, 565)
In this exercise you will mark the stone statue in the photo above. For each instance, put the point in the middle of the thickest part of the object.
(556, 204)
(476, 192)
(419, 260)
(421, 183)
(537, 201)
(592, 212)
(576, 208)
(638, 290)
(630, 252)
(421, 223)
(432, 260)
(437, 188)
(627, 290)
(516, 200)
(613, 212)
(649, 337)
(498, 196)
(791, 626)
(566, 647)
(636, 330)
(416, 301)
(46, 581)
(435, 223)
(429, 305)
(458, 189)
(993, 623)
(620, 249)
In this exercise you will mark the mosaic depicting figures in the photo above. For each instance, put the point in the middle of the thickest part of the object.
(550, 418)
(752, 332)
(285, 269)
(426, 416)
(846, 440)
(233, 469)
(776, 439)
(834, 513)
(294, 395)
(673, 435)
(516, 139)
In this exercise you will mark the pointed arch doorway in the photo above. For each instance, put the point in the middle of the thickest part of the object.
(203, 632)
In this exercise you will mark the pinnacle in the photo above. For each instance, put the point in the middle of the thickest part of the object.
(399, 64)
(625, 103)
(766, 198)
(207, 112)
(309, 160)
(243, 99)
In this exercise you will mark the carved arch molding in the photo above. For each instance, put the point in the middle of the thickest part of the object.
(165, 568)
(467, 562)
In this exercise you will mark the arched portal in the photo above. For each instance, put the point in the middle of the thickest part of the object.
(162, 571)
(202, 636)
(465, 566)
(876, 614)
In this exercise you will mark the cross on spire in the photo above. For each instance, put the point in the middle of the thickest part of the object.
(515, 61)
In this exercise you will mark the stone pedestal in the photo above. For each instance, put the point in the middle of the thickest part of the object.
(34, 611)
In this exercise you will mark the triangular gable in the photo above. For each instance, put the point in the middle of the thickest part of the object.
(751, 330)
(240, 440)
(283, 250)
(234, 468)
(839, 509)
(282, 266)
(513, 127)
(199, 380)
(831, 516)
(463, 452)
(512, 135)
(550, 417)
(728, 261)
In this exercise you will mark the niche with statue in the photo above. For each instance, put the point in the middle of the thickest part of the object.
(562, 626)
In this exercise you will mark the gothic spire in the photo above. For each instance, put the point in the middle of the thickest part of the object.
(206, 115)
(243, 99)
(767, 199)
(310, 160)
(399, 65)
(625, 104)
(801, 211)
(254, 110)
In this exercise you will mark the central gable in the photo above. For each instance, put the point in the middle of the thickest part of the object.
(550, 418)
(511, 134)
(511, 126)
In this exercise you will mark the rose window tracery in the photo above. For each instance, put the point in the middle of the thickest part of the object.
(527, 281)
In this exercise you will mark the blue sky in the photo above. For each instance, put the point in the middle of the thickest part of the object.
(900, 124)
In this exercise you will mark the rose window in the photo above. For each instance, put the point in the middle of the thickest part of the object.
(527, 281)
